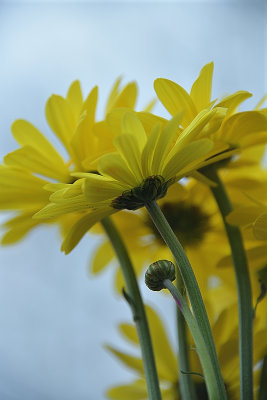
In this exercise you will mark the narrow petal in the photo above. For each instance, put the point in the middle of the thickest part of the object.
(135, 391)
(175, 99)
(61, 119)
(186, 158)
(132, 362)
(166, 138)
(102, 258)
(113, 95)
(232, 101)
(127, 97)
(83, 139)
(201, 89)
(98, 189)
(83, 225)
(128, 147)
(114, 166)
(30, 158)
(244, 215)
(53, 210)
(18, 227)
(132, 125)
(149, 150)
(27, 134)
(75, 98)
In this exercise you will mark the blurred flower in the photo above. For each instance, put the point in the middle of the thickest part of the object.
(225, 331)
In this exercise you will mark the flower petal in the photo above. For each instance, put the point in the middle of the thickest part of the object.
(61, 119)
(201, 89)
(102, 257)
(135, 391)
(132, 125)
(75, 98)
(112, 165)
(187, 158)
(175, 99)
(128, 147)
(98, 189)
(83, 225)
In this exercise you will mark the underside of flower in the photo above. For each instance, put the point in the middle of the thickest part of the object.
(152, 188)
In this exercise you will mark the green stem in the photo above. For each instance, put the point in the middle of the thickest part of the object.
(192, 288)
(263, 380)
(186, 383)
(245, 309)
(134, 298)
(201, 346)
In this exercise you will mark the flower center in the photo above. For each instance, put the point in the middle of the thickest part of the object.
(152, 188)
(188, 222)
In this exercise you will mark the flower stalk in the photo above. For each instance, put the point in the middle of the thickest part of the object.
(192, 288)
(134, 298)
(243, 286)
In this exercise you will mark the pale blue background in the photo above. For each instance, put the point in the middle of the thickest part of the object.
(53, 316)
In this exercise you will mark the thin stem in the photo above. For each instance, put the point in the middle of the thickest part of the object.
(263, 380)
(201, 346)
(191, 286)
(186, 383)
(245, 309)
(134, 298)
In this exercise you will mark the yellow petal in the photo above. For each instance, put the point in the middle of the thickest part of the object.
(201, 89)
(131, 125)
(98, 188)
(27, 135)
(244, 215)
(243, 125)
(175, 99)
(52, 210)
(83, 225)
(150, 120)
(30, 158)
(114, 166)
(164, 142)
(18, 227)
(132, 362)
(187, 158)
(127, 97)
(232, 101)
(61, 119)
(113, 95)
(128, 147)
(102, 257)
(133, 391)
(75, 98)
(149, 150)
(260, 227)
(83, 138)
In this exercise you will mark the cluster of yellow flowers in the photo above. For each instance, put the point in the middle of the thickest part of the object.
(116, 165)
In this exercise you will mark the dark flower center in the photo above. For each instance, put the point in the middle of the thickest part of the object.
(188, 222)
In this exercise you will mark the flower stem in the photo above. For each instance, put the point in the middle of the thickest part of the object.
(201, 346)
(192, 289)
(133, 296)
(186, 383)
(243, 287)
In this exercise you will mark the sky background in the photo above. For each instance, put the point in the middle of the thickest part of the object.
(54, 316)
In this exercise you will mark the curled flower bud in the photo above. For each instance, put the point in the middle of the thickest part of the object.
(158, 272)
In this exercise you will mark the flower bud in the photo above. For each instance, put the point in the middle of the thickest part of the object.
(158, 272)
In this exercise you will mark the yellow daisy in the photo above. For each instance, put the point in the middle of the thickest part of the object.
(141, 170)
(37, 163)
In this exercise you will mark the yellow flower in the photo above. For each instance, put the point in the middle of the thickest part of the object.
(225, 330)
(141, 170)
(37, 163)
(238, 130)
